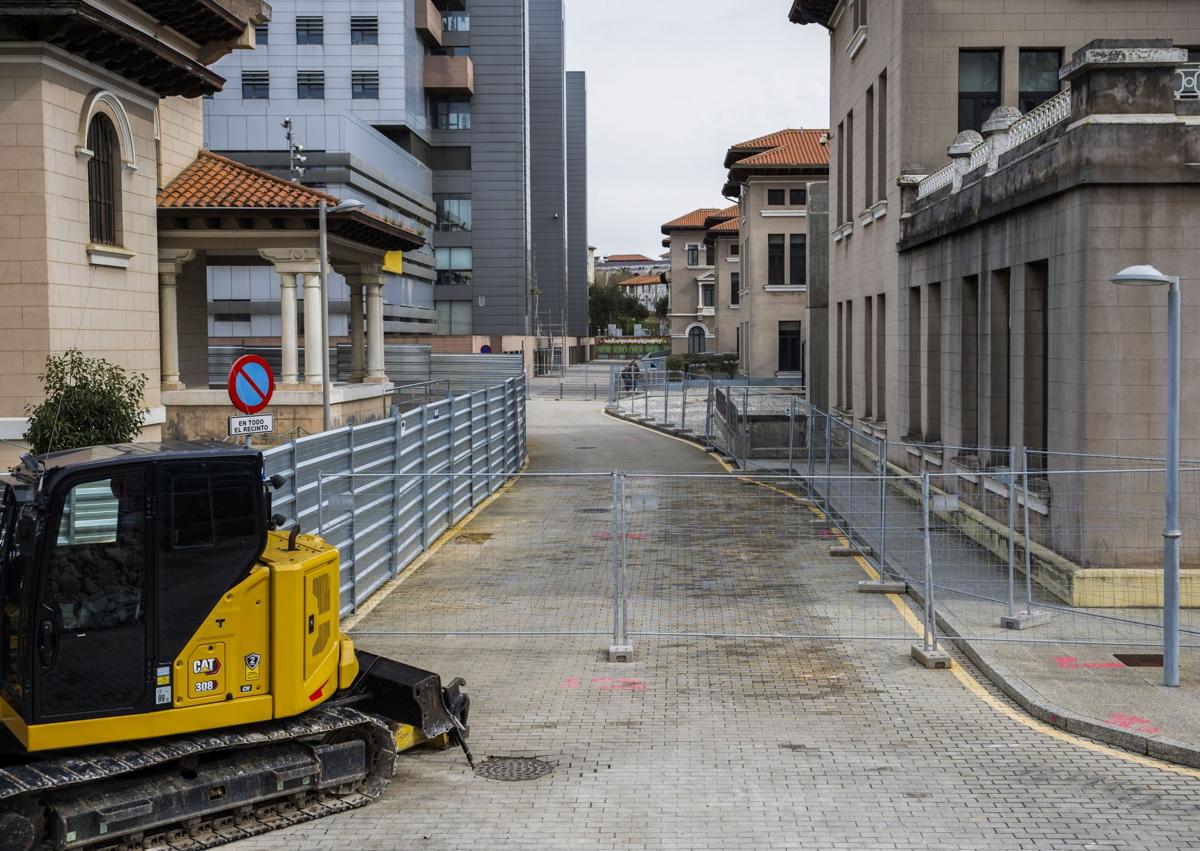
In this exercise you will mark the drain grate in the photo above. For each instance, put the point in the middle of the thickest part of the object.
(587, 447)
(512, 768)
(592, 510)
(472, 537)
(1139, 660)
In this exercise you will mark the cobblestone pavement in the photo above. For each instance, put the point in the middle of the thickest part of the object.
(714, 743)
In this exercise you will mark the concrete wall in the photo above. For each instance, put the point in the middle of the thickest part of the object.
(728, 313)
(764, 306)
(577, 205)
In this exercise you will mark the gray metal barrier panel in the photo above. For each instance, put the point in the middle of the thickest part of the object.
(372, 490)
(470, 372)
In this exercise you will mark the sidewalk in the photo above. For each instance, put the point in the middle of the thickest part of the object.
(1063, 672)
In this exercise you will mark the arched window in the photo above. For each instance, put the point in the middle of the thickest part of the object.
(103, 180)
(696, 341)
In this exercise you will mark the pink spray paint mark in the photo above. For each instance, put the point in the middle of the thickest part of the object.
(1071, 663)
(619, 684)
(571, 682)
(1133, 722)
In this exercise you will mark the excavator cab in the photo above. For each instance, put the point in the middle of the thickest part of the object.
(145, 594)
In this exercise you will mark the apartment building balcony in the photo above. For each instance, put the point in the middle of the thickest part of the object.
(702, 312)
(449, 75)
(429, 22)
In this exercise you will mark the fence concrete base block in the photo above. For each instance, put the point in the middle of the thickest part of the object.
(1024, 620)
(932, 659)
(851, 551)
(882, 586)
(620, 653)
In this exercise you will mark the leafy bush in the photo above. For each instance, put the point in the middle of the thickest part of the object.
(715, 365)
(89, 402)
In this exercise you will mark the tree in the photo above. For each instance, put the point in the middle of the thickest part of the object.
(662, 306)
(611, 304)
(89, 402)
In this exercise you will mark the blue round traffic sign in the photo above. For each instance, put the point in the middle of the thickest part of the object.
(485, 349)
(251, 384)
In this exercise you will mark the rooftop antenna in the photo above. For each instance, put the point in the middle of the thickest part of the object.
(297, 159)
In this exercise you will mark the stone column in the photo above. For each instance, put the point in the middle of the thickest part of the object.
(373, 281)
(289, 336)
(357, 329)
(170, 261)
(315, 360)
(289, 263)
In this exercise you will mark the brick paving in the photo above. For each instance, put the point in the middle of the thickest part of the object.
(711, 743)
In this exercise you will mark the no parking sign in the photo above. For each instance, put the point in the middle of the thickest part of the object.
(251, 385)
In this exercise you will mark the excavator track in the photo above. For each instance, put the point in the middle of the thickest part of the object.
(200, 790)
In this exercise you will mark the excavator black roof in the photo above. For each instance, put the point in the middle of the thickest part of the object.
(34, 466)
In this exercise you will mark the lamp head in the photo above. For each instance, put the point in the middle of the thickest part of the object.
(347, 205)
(1141, 276)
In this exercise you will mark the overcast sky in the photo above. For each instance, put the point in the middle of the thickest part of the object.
(671, 85)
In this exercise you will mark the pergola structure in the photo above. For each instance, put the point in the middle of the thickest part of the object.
(219, 206)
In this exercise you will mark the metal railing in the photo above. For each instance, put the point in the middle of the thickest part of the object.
(409, 396)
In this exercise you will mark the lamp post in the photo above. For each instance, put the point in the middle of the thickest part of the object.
(323, 210)
(1143, 276)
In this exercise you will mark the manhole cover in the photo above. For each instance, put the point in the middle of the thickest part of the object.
(472, 537)
(1140, 660)
(513, 768)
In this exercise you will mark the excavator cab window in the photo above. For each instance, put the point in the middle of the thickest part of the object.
(13, 552)
(90, 630)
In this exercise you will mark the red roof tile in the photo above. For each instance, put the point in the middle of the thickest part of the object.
(641, 281)
(693, 220)
(785, 147)
(627, 258)
(726, 227)
(214, 181)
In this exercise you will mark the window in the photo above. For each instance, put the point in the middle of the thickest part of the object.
(364, 30)
(231, 317)
(1036, 401)
(453, 266)
(860, 13)
(881, 136)
(735, 249)
(868, 352)
(696, 341)
(841, 172)
(869, 150)
(775, 197)
(791, 347)
(456, 22)
(914, 361)
(452, 115)
(1038, 77)
(968, 362)
(999, 345)
(310, 85)
(710, 252)
(799, 269)
(103, 181)
(364, 85)
(849, 159)
(693, 255)
(310, 30)
(256, 85)
(708, 295)
(452, 50)
(933, 362)
(775, 260)
(453, 212)
(262, 35)
(880, 357)
(978, 87)
(849, 373)
(735, 288)
(798, 197)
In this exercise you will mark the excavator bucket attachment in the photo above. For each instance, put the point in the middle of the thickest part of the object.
(406, 695)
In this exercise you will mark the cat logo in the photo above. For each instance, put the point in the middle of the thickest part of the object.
(206, 666)
(252, 660)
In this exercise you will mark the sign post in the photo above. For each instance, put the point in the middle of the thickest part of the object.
(251, 386)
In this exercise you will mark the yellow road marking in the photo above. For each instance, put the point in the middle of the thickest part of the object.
(416, 564)
(969, 682)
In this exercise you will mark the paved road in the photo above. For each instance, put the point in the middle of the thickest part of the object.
(713, 743)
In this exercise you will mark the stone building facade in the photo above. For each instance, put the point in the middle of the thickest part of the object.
(989, 174)
(94, 118)
(692, 320)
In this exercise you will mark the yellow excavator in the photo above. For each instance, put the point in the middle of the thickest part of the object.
(172, 668)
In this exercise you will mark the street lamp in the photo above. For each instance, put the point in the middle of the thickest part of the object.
(323, 210)
(1148, 276)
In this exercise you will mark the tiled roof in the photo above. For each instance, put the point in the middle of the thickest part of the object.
(627, 258)
(782, 148)
(641, 281)
(730, 212)
(812, 12)
(214, 181)
(727, 226)
(801, 150)
(693, 220)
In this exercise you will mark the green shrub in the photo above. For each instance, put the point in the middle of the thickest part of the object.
(89, 402)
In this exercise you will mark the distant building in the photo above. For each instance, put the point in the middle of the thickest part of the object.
(631, 264)
(770, 176)
(647, 289)
(693, 283)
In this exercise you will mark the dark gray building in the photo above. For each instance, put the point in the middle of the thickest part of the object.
(577, 205)
(448, 116)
